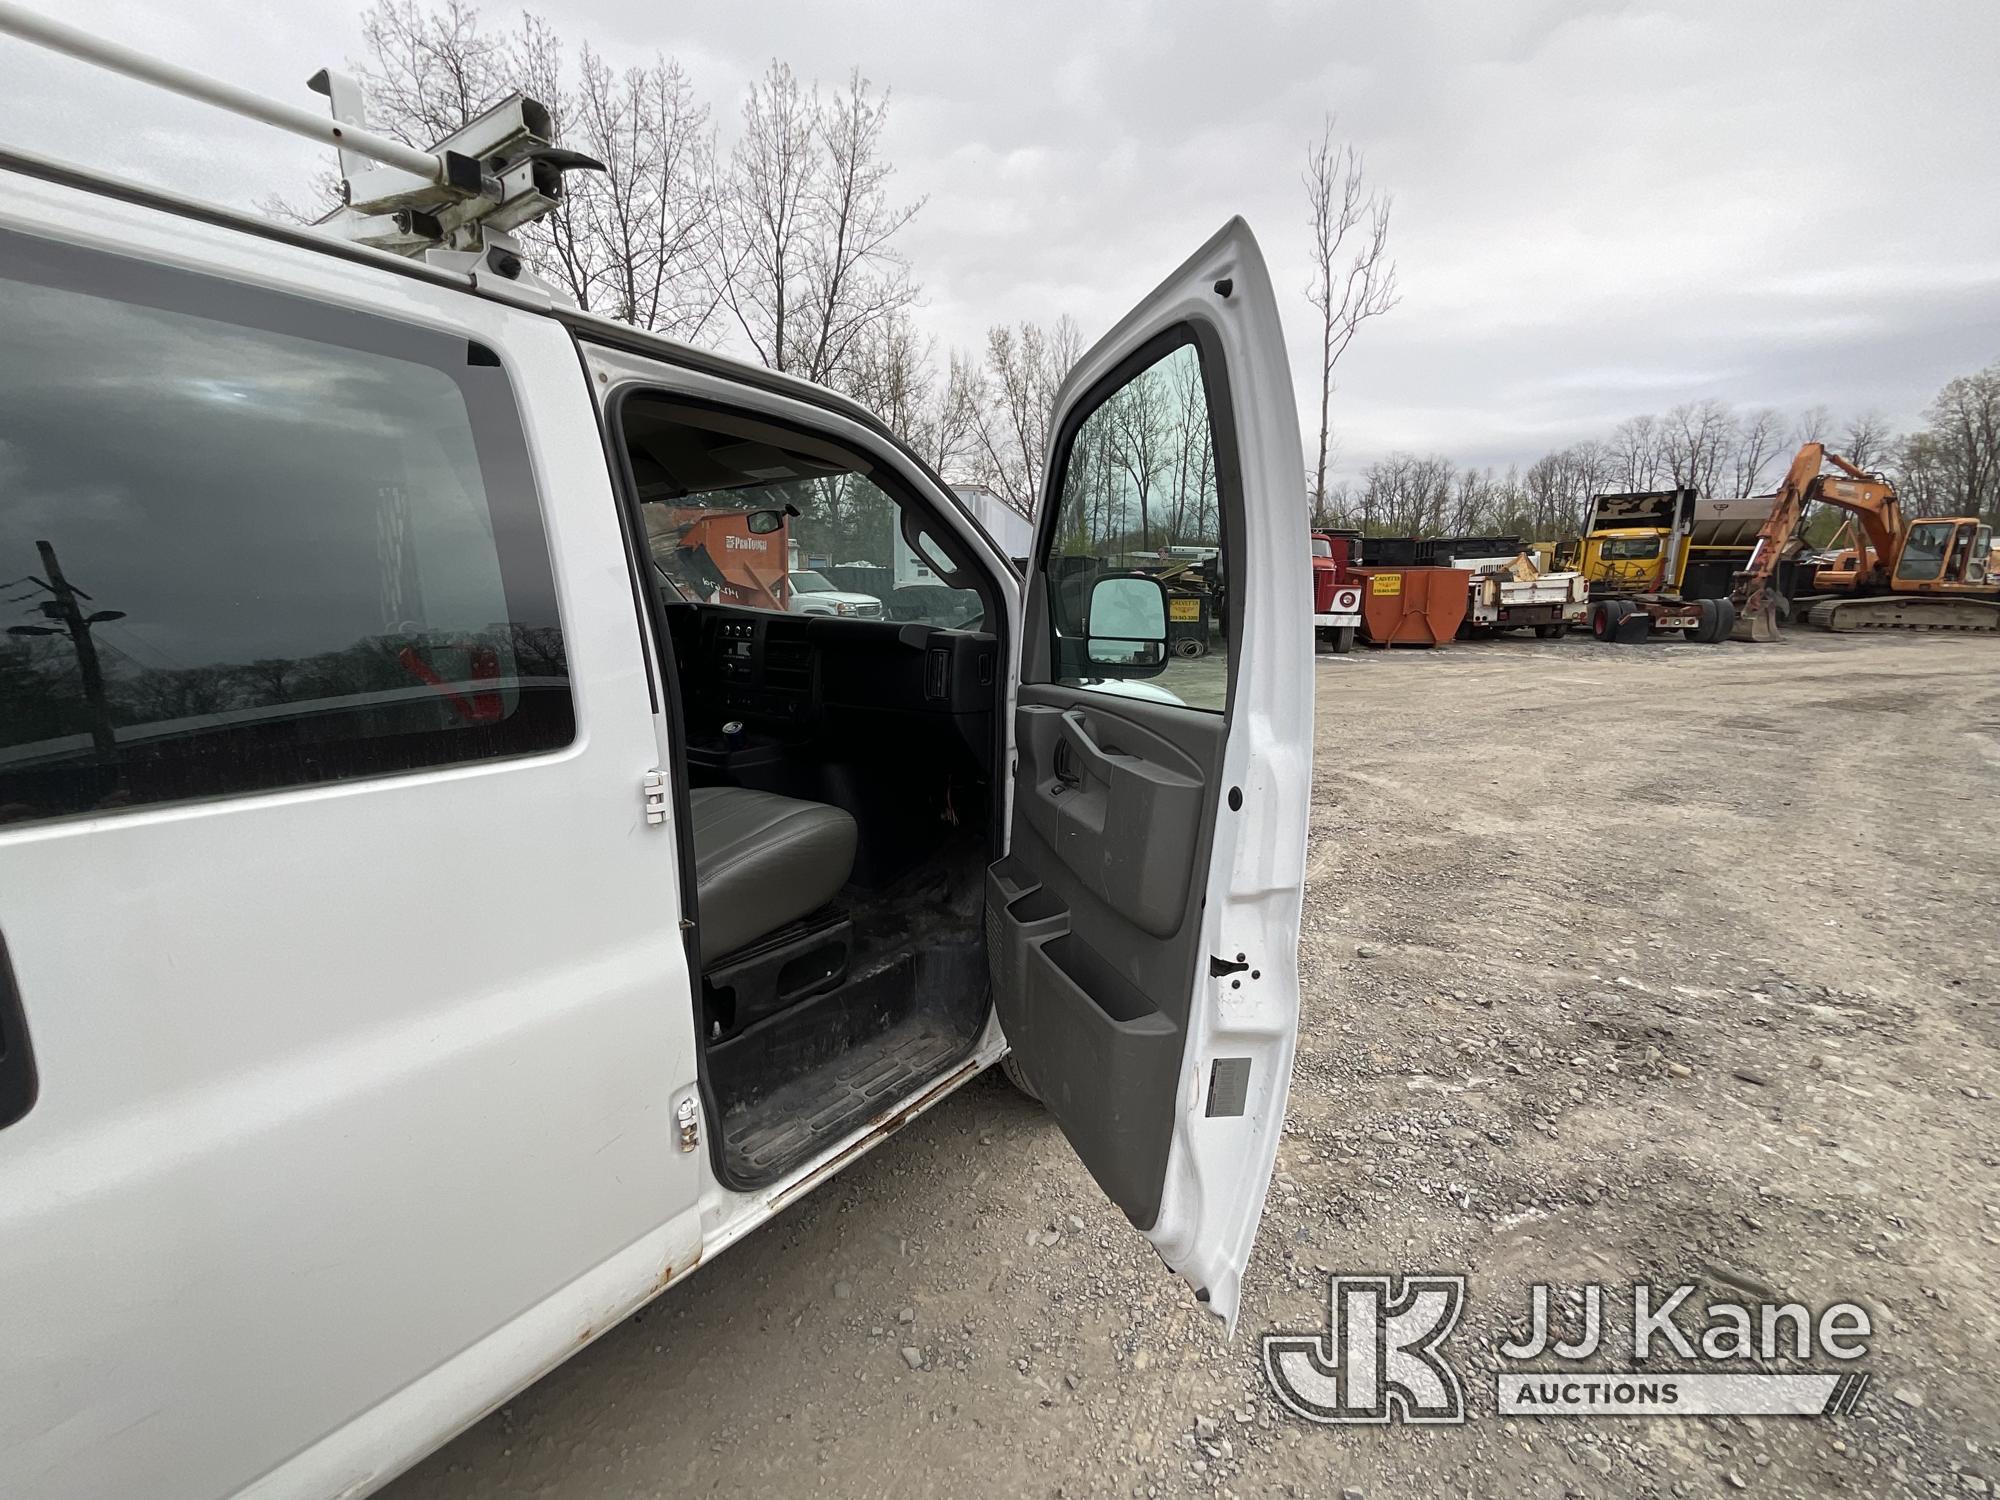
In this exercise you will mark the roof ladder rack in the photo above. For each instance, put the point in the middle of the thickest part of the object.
(454, 205)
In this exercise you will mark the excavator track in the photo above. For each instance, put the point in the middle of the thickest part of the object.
(1908, 612)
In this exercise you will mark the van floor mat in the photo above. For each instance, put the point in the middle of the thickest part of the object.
(812, 1112)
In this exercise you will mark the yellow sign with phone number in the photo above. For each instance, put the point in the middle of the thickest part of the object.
(1183, 609)
(1386, 583)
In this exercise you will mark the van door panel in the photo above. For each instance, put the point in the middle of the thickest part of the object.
(1143, 928)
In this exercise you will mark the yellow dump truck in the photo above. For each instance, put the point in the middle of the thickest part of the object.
(1659, 560)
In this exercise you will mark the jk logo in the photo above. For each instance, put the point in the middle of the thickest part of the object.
(1378, 1360)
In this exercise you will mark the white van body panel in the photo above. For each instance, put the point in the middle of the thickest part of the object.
(345, 1124)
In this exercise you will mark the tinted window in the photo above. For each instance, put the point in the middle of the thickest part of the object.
(1139, 495)
(248, 542)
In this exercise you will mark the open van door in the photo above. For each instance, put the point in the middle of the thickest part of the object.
(1143, 929)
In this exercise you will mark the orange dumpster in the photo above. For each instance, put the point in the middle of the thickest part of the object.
(1412, 606)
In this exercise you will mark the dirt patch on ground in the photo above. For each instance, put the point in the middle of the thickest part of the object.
(1665, 963)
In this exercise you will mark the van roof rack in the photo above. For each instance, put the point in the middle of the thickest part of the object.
(454, 206)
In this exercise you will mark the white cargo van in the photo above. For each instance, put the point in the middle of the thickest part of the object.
(406, 977)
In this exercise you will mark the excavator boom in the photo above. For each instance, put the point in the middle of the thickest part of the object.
(1926, 574)
(1869, 499)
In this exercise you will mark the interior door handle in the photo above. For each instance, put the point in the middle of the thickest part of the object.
(1077, 732)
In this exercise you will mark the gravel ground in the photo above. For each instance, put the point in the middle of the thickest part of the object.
(1664, 962)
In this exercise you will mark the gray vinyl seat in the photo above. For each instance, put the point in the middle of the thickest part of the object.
(762, 860)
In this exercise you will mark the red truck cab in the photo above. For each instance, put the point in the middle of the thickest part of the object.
(1336, 591)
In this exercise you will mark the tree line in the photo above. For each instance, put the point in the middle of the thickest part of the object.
(1950, 465)
(783, 243)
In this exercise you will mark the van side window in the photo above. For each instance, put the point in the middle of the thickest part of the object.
(249, 541)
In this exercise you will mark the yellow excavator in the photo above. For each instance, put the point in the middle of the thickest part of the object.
(1934, 573)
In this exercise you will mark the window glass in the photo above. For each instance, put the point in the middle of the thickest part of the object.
(1923, 553)
(747, 513)
(1139, 497)
(1631, 547)
(249, 542)
(1322, 547)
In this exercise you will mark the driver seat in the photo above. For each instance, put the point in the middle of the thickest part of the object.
(761, 861)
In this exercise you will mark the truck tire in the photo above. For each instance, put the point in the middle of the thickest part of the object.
(1606, 617)
(1343, 639)
(1705, 631)
(1553, 632)
(1725, 625)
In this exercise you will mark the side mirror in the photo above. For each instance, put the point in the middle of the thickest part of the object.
(1126, 627)
(764, 522)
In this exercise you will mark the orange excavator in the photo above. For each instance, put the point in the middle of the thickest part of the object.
(1931, 573)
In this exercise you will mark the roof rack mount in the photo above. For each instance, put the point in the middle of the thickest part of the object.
(455, 204)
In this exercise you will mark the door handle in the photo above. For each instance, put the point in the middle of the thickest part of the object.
(18, 1082)
(1076, 733)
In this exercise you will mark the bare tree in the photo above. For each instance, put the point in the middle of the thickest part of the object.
(765, 203)
(430, 68)
(1953, 464)
(630, 241)
(1635, 453)
(1351, 283)
(1757, 439)
(807, 260)
(1405, 495)
(1696, 440)
(1560, 485)
(1865, 441)
(1141, 425)
(1025, 367)
(1813, 425)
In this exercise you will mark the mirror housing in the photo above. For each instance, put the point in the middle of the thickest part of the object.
(1126, 626)
(764, 522)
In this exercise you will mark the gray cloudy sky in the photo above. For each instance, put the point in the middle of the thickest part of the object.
(1601, 208)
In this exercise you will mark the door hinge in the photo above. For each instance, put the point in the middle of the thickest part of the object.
(654, 785)
(689, 1120)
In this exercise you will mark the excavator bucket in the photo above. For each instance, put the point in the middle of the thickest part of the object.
(1757, 624)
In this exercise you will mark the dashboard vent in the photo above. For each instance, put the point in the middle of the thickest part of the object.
(788, 656)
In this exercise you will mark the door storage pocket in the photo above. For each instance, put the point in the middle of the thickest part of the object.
(1094, 1046)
